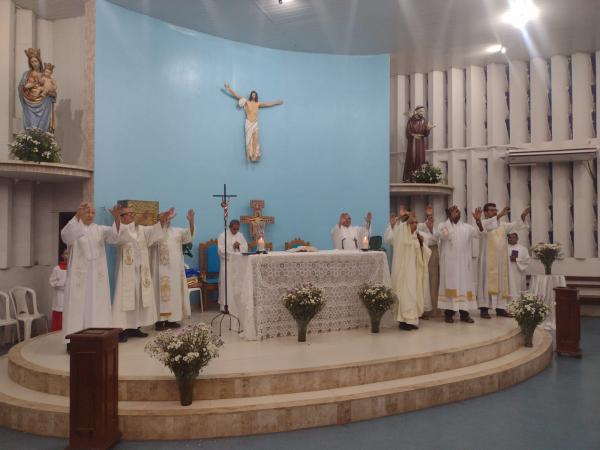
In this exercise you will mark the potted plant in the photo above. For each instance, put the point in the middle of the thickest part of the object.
(303, 302)
(547, 253)
(529, 311)
(36, 145)
(427, 174)
(377, 298)
(185, 352)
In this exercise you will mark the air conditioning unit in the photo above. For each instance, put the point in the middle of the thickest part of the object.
(529, 157)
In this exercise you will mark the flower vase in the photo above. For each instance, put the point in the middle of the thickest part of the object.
(528, 331)
(375, 320)
(185, 383)
(302, 327)
(548, 268)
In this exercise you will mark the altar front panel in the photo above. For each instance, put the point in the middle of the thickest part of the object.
(261, 281)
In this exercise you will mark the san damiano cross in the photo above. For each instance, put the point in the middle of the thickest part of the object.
(257, 221)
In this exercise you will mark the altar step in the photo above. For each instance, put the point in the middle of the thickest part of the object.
(254, 384)
(47, 414)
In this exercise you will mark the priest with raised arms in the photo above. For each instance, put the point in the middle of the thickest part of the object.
(493, 286)
(134, 303)
(410, 275)
(236, 245)
(345, 236)
(168, 273)
(456, 271)
(87, 290)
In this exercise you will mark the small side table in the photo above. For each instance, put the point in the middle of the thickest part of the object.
(543, 286)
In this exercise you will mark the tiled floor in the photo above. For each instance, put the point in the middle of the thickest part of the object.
(558, 409)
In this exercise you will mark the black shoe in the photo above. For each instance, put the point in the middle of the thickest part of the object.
(414, 327)
(405, 326)
(172, 324)
(503, 313)
(467, 319)
(160, 326)
(448, 319)
(123, 336)
(136, 333)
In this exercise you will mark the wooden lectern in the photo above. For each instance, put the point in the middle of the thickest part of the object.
(568, 328)
(94, 390)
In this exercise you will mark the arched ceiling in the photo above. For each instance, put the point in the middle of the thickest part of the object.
(421, 35)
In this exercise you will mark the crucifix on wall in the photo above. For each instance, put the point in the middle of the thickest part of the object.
(257, 221)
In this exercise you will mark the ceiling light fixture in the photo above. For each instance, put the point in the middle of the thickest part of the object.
(496, 48)
(520, 12)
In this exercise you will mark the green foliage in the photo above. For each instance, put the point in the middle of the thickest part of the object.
(36, 145)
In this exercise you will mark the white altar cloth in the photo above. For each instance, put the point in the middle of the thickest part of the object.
(260, 282)
(543, 286)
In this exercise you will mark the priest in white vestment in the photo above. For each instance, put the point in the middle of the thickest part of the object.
(456, 271)
(427, 231)
(133, 304)
(492, 275)
(168, 274)
(87, 290)
(517, 267)
(410, 275)
(236, 245)
(345, 236)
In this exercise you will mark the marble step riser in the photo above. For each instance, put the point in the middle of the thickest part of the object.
(209, 423)
(212, 388)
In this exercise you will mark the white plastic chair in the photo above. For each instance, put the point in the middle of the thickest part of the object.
(19, 296)
(8, 315)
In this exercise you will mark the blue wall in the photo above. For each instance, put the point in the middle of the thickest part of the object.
(165, 130)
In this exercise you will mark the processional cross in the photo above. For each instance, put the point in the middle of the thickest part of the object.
(225, 205)
(257, 221)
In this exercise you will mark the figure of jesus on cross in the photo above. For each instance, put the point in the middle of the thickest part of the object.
(257, 221)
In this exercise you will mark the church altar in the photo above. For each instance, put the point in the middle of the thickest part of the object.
(260, 282)
(543, 286)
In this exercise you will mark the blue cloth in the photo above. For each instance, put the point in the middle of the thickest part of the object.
(35, 114)
(213, 262)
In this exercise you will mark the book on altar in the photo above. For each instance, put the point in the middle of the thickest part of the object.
(303, 249)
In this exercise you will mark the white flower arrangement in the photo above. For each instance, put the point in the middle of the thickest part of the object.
(376, 297)
(547, 253)
(303, 301)
(529, 310)
(35, 144)
(186, 350)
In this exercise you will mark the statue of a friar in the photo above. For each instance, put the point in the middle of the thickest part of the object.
(417, 130)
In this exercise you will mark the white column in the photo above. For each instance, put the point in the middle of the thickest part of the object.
(24, 39)
(540, 201)
(418, 90)
(540, 131)
(457, 177)
(440, 203)
(436, 96)
(402, 107)
(497, 109)
(45, 39)
(22, 233)
(562, 200)
(475, 106)
(456, 108)
(418, 206)
(477, 178)
(559, 68)
(583, 186)
(498, 178)
(6, 206)
(45, 226)
(598, 104)
(519, 102)
(519, 196)
(7, 79)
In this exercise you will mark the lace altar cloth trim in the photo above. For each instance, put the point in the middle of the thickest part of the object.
(339, 274)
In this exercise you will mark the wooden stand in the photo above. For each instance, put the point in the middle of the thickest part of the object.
(93, 419)
(568, 328)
